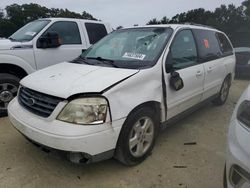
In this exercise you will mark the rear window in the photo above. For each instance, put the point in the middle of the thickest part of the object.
(95, 32)
(208, 46)
(225, 45)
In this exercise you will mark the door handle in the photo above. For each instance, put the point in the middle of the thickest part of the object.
(199, 73)
(210, 69)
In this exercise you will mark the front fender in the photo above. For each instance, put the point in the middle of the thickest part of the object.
(14, 60)
(145, 86)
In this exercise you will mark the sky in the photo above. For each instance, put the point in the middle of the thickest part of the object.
(127, 12)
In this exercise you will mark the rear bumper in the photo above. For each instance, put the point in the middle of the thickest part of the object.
(64, 136)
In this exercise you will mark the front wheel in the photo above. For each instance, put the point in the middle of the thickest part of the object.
(137, 137)
(224, 91)
(8, 90)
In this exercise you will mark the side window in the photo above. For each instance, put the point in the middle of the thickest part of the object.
(67, 31)
(183, 50)
(208, 46)
(225, 45)
(95, 32)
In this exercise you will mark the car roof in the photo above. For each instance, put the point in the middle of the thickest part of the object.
(177, 26)
(71, 19)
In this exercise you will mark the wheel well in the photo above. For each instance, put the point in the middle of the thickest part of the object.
(229, 76)
(155, 106)
(13, 69)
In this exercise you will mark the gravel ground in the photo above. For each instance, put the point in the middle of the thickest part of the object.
(172, 163)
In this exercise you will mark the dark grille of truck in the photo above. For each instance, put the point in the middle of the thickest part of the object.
(37, 103)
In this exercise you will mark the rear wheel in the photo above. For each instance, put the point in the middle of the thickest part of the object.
(137, 137)
(223, 95)
(8, 90)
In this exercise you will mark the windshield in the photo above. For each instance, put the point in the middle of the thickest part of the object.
(130, 48)
(29, 31)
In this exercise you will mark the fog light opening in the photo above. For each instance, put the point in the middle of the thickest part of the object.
(238, 176)
(79, 158)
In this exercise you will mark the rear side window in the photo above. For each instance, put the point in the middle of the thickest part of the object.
(225, 45)
(95, 32)
(67, 31)
(208, 46)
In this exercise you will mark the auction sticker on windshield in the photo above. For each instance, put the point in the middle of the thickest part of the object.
(30, 33)
(134, 56)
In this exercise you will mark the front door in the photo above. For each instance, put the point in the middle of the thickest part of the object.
(71, 47)
(184, 60)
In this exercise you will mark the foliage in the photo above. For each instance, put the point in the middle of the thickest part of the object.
(18, 15)
(235, 21)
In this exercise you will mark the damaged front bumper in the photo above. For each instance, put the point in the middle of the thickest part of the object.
(90, 142)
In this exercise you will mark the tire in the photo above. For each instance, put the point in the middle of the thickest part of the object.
(137, 137)
(8, 90)
(225, 178)
(223, 94)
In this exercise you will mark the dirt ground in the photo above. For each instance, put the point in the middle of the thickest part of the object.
(172, 163)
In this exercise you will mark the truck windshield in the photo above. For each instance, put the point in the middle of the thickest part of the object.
(129, 48)
(29, 31)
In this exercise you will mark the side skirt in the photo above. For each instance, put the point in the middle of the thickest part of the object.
(187, 112)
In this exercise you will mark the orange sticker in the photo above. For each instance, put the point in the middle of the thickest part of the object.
(206, 43)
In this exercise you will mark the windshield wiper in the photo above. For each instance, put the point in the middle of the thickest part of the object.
(109, 61)
(81, 60)
(12, 39)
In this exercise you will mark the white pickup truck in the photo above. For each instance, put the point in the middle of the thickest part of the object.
(42, 43)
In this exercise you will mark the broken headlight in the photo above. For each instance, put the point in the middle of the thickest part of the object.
(243, 114)
(85, 111)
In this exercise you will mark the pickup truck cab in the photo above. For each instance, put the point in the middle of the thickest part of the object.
(42, 43)
(114, 98)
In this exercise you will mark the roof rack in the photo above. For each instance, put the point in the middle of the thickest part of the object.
(195, 24)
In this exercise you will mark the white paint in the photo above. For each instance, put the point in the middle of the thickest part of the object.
(65, 79)
(238, 141)
(70, 79)
(41, 58)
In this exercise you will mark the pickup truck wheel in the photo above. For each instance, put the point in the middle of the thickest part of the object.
(137, 137)
(8, 90)
(224, 91)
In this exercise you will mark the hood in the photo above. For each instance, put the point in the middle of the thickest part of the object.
(6, 44)
(66, 79)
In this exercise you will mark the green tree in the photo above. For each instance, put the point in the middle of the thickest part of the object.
(18, 15)
(246, 7)
(154, 21)
(164, 20)
(1, 14)
(234, 21)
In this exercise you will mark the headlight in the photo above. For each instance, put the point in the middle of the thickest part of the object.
(243, 114)
(85, 111)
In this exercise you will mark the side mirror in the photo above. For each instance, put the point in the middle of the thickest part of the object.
(49, 40)
(176, 82)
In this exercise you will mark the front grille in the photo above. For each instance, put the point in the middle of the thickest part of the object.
(38, 103)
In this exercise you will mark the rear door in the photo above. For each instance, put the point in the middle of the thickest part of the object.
(211, 56)
(184, 60)
(71, 40)
(95, 32)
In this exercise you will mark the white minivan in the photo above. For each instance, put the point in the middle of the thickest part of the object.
(114, 98)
